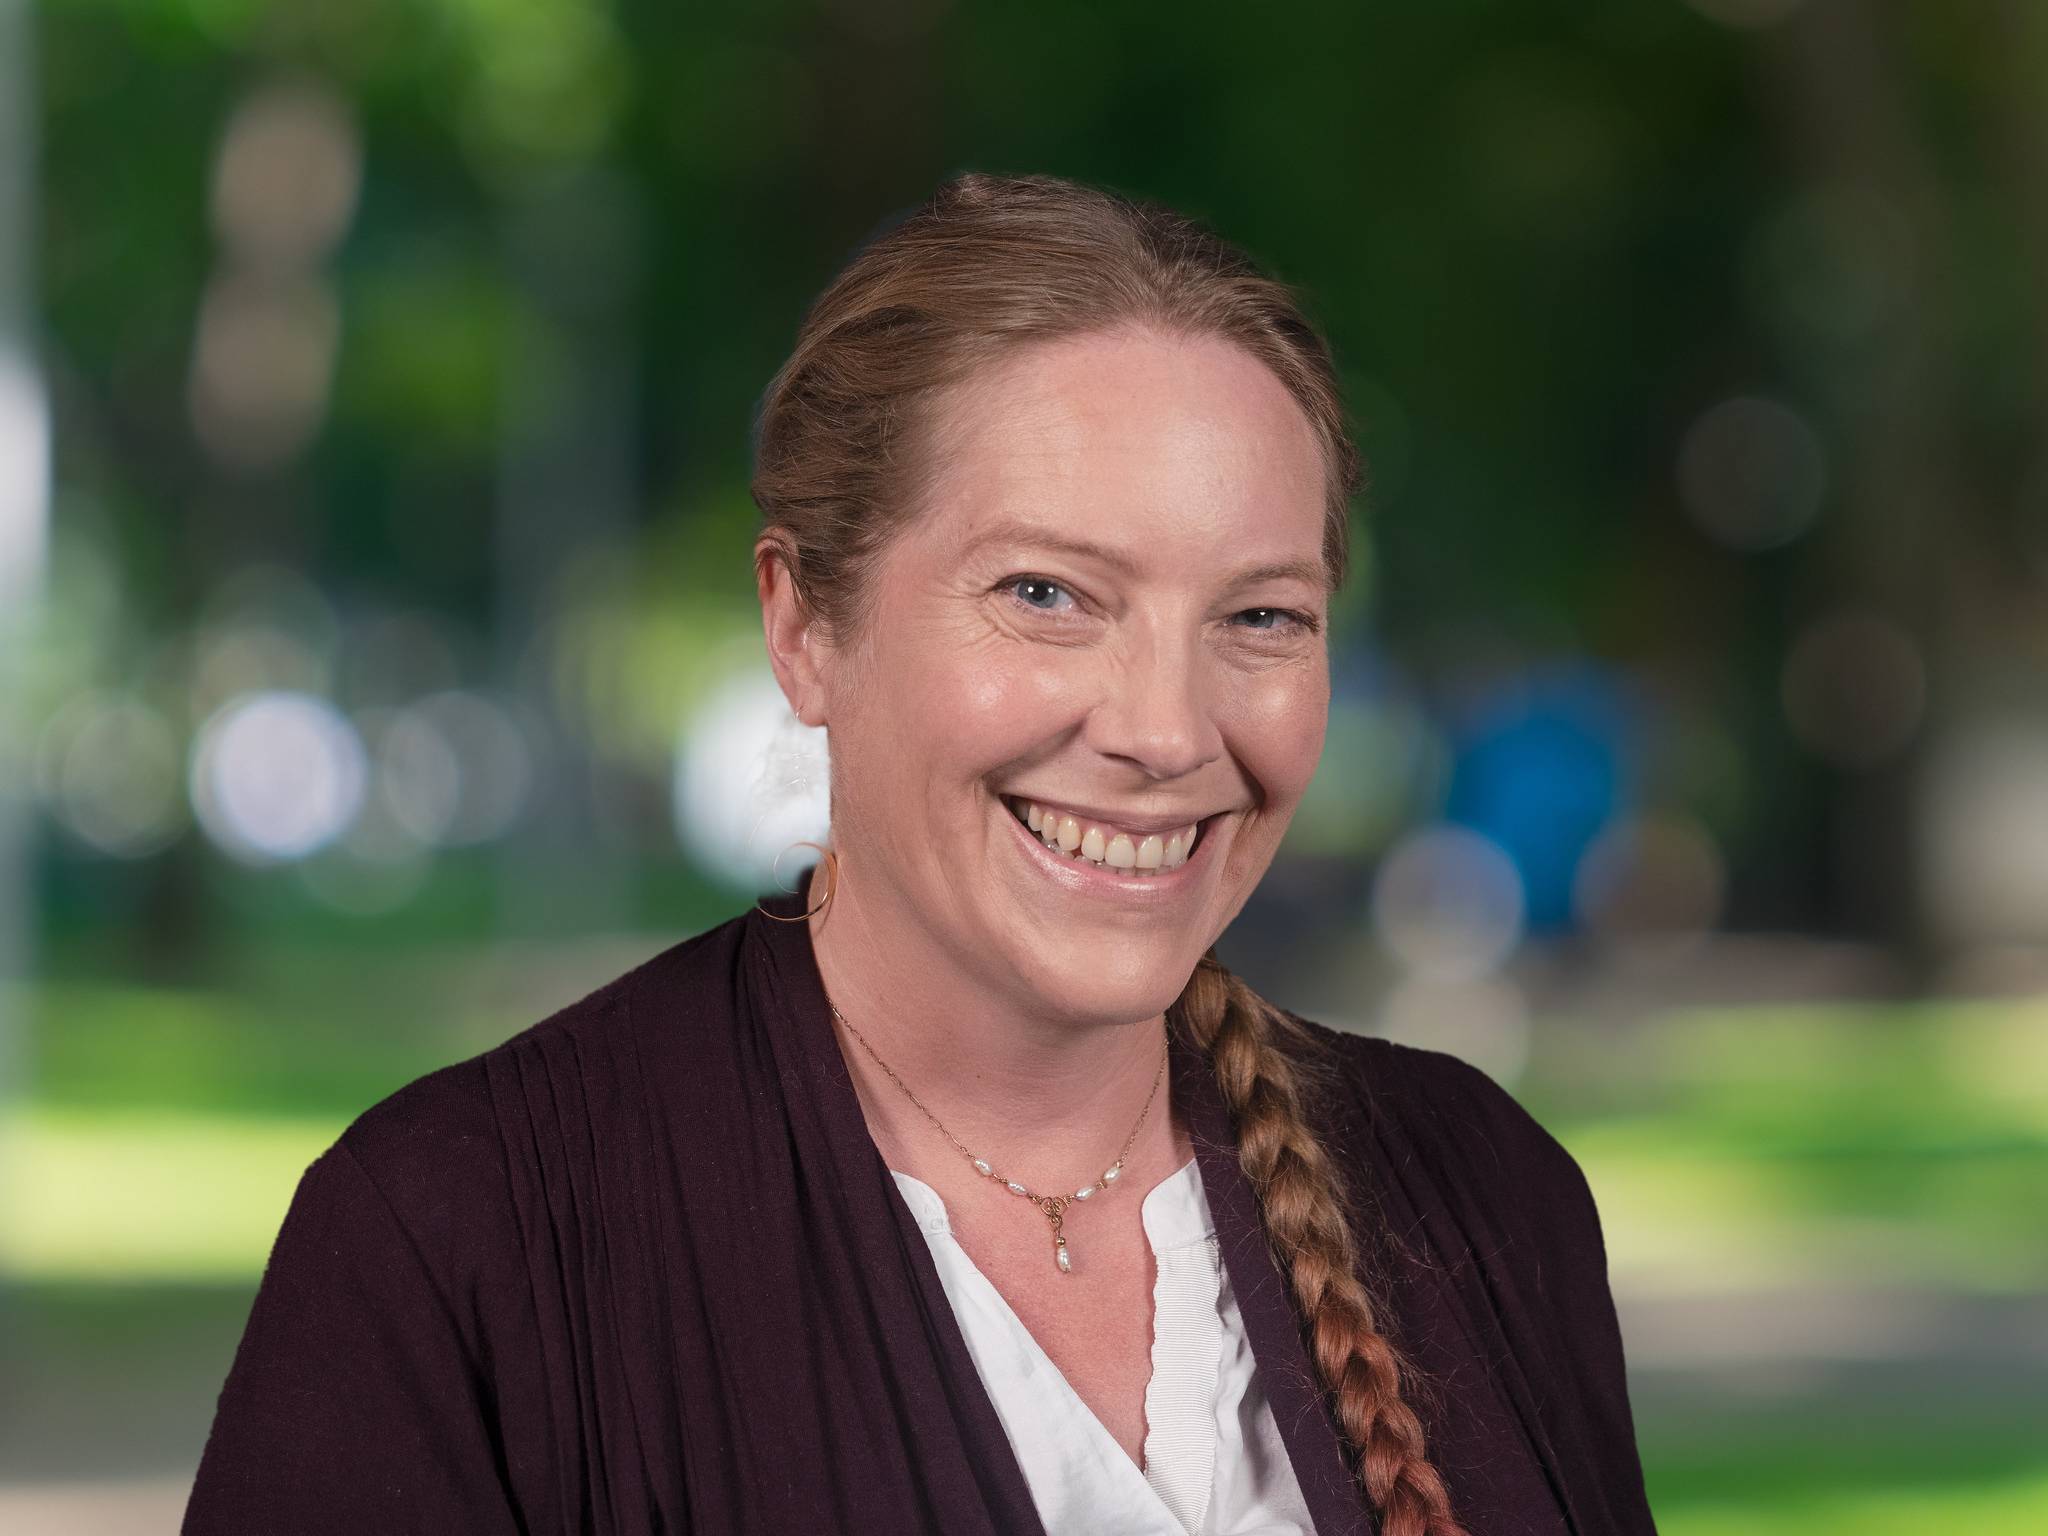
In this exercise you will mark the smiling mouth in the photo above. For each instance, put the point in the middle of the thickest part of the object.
(1119, 850)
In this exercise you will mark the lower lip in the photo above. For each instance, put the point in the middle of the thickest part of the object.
(1079, 874)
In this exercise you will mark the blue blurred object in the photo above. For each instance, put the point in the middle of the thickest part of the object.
(1540, 768)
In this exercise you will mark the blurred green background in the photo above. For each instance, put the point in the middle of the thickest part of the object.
(379, 670)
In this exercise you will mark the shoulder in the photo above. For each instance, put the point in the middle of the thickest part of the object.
(436, 1149)
(1511, 1212)
(1472, 1132)
(1478, 1168)
(1416, 1081)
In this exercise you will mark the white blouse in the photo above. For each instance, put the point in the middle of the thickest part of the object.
(1214, 1461)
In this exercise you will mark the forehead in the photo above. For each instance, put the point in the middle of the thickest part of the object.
(1149, 443)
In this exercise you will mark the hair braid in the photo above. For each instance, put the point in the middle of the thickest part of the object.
(1302, 1198)
(842, 463)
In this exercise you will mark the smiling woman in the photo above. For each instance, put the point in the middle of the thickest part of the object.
(969, 1192)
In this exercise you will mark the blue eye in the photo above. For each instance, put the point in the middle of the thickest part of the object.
(1270, 618)
(1038, 592)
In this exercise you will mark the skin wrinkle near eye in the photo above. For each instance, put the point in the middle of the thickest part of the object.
(1011, 531)
(1295, 625)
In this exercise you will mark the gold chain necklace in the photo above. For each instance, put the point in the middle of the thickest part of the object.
(1052, 1206)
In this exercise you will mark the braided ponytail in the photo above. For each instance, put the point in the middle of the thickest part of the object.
(1303, 1198)
(842, 460)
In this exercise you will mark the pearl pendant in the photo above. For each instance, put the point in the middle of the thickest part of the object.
(1059, 1256)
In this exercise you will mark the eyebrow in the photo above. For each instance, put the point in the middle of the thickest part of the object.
(1012, 532)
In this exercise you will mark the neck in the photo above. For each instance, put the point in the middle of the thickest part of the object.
(1046, 1098)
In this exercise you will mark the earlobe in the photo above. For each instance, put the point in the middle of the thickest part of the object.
(786, 626)
(808, 705)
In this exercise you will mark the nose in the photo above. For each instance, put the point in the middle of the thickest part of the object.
(1154, 710)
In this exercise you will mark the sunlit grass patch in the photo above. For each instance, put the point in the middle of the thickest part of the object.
(147, 1194)
(103, 1045)
(1814, 1144)
(1681, 1211)
(2013, 1508)
(1863, 1465)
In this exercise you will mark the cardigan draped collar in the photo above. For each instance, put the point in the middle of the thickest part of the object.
(641, 1269)
(782, 963)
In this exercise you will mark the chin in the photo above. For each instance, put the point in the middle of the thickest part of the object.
(1116, 980)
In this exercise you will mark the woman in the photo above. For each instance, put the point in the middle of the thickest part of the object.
(968, 1192)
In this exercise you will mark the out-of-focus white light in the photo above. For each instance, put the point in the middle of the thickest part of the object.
(454, 769)
(275, 776)
(1448, 903)
(419, 778)
(751, 780)
(24, 480)
(109, 770)
(1752, 473)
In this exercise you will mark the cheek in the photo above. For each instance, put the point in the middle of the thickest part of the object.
(970, 701)
(1280, 718)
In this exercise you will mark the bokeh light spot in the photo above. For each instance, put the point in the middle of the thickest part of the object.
(276, 775)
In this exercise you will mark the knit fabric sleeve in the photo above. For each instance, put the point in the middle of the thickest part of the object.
(357, 1400)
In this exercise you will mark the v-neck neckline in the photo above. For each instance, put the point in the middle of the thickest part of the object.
(1272, 1327)
(1108, 1449)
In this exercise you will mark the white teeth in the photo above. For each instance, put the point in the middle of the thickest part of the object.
(1144, 853)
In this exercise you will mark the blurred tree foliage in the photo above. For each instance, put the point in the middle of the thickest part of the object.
(1544, 235)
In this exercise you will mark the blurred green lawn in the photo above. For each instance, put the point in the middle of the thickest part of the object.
(1834, 1149)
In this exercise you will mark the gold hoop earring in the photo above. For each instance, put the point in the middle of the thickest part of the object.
(831, 882)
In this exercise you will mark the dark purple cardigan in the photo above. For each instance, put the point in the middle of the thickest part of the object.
(641, 1269)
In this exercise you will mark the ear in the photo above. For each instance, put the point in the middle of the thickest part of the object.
(796, 650)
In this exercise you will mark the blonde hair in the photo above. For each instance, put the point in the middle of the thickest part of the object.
(841, 463)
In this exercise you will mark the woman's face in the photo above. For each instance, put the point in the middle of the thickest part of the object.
(1112, 610)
